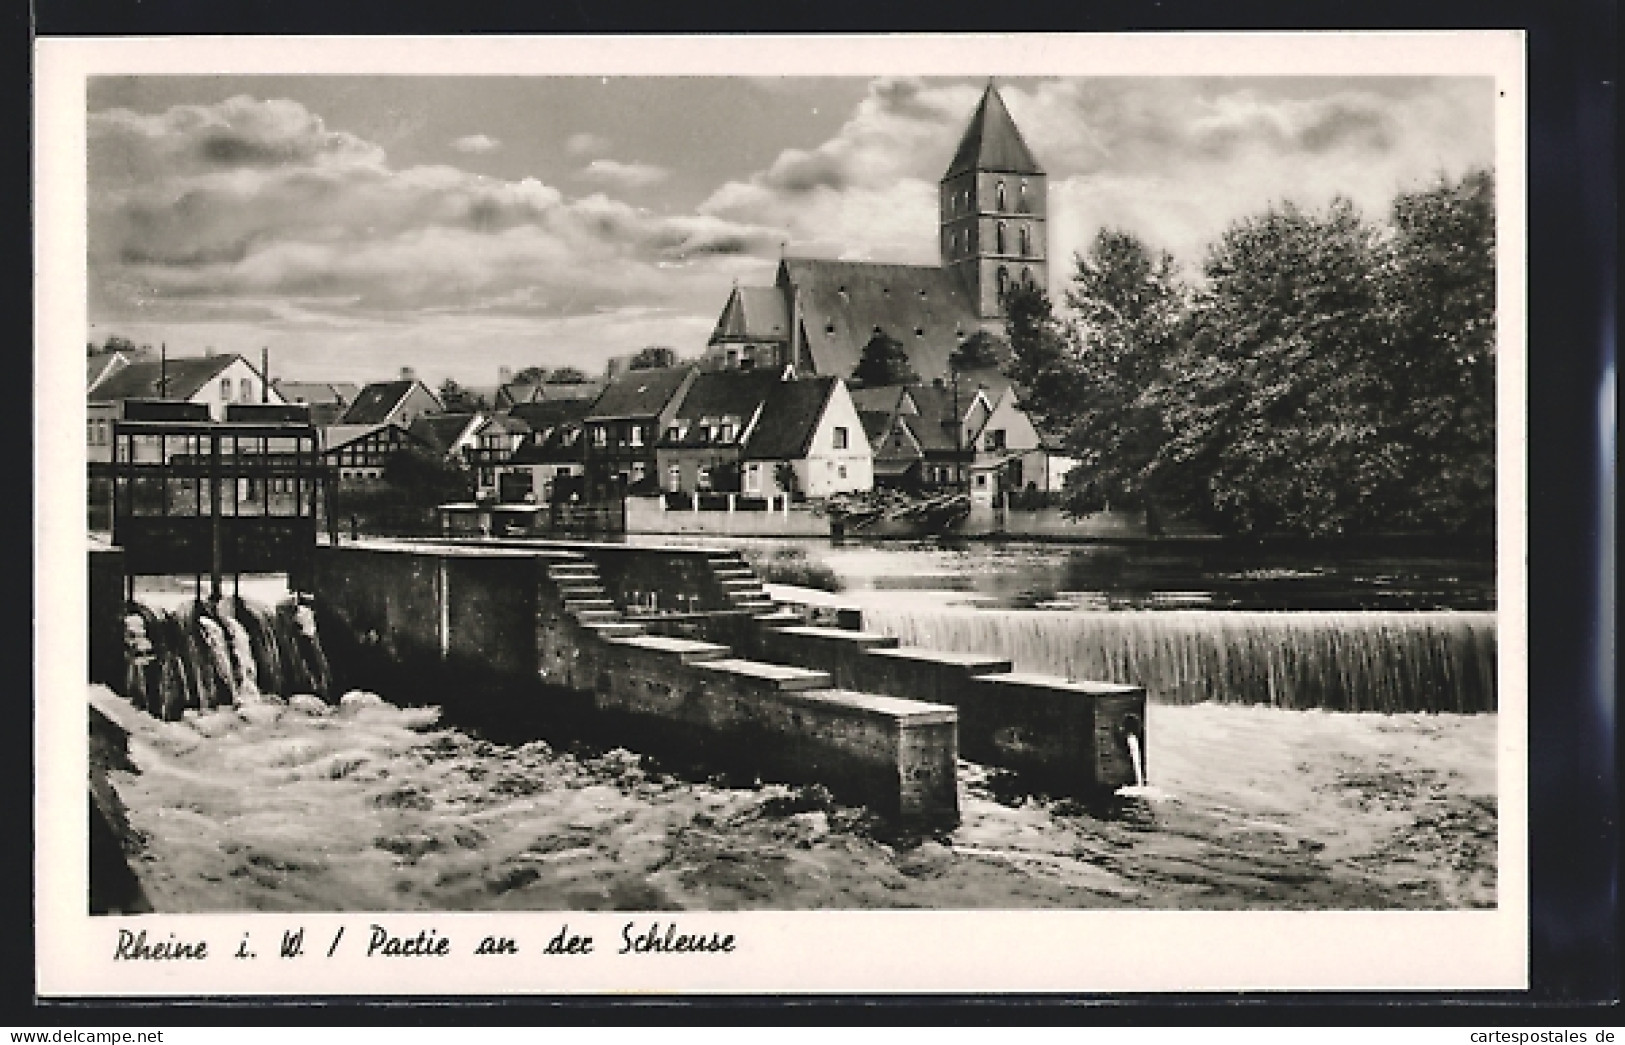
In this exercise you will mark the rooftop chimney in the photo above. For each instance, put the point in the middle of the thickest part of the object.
(408, 374)
(504, 375)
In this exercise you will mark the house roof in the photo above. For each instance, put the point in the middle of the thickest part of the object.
(992, 142)
(99, 364)
(876, 423)
(789, 419)
(442, 431)
(374, 403)
(550, 413)
(335, 437)
(559, 446)
(587, 391)
(753, 314)
(640, 393)
(841, 303)
(877, 398)
(183, 376)
(504, 424)
(340, 393)
(733, 394)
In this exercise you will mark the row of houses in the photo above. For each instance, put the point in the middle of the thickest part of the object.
(759, 432)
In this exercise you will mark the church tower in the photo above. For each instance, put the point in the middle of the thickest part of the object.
(992, 211)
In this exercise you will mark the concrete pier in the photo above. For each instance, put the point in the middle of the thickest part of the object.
(480, 628)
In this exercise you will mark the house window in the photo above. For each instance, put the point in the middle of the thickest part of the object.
(753, 477)
(840, 438)
(245, 390)
(981, 480)
(673, 434)
(999, 193)
(639, 471)
(225, 389)
(637, 435)
(702, 479)
(674, 478)
(600, 436)
(725, 433)
(995, 439)
(841, 471)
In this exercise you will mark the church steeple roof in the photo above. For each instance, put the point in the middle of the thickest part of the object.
(992, 142)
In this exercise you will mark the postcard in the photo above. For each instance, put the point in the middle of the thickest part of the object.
(1029, 513)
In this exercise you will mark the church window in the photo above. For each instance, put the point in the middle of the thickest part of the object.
(1021, 196)
(1004, 282)
(829, 328)
(1026, 241)
(919, 331)
(999, 194)
(1027, 277)
(998, 238)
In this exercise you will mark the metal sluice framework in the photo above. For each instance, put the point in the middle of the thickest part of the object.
(220, 497)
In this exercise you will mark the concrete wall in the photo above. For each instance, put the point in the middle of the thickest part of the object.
(1070, 736)
(106, 616)
(487, 631)
(649, 515)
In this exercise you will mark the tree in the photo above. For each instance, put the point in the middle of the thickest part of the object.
(1130, 310)
(1273, 409)
(568, 375)
(459, 400)
(980, 351)
(884, 362)
(1043, 358)
(1440, 289)
(654, 357)
(531, 375)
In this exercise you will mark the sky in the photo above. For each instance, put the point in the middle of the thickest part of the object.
(356, 225)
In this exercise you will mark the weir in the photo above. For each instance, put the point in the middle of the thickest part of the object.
(674, 651)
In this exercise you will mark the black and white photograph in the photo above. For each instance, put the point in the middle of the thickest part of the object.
(682, 512)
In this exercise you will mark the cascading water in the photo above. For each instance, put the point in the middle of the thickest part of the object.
(204, 656)
(1343, 661)
(1138, 760)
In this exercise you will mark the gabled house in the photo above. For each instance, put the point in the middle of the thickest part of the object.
(214, 381)
(809, 440)
(360, 453)
(495, 440)
(699, 447)
(534, 472)
(624, 424)
(392, 402)
(753, 331)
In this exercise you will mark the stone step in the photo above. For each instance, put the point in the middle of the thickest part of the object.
(740, 582)
(574, 605)
(779, 616)
(582, 591)
(732, 570)
(614, 629)
(573, 571)
(594, 616)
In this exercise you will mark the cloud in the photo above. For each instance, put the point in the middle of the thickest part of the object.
(180, 227)
(1176, 159)
(624, 175)
(586, 143)
(476, 143)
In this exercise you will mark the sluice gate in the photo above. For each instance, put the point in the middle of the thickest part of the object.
(679, 650)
